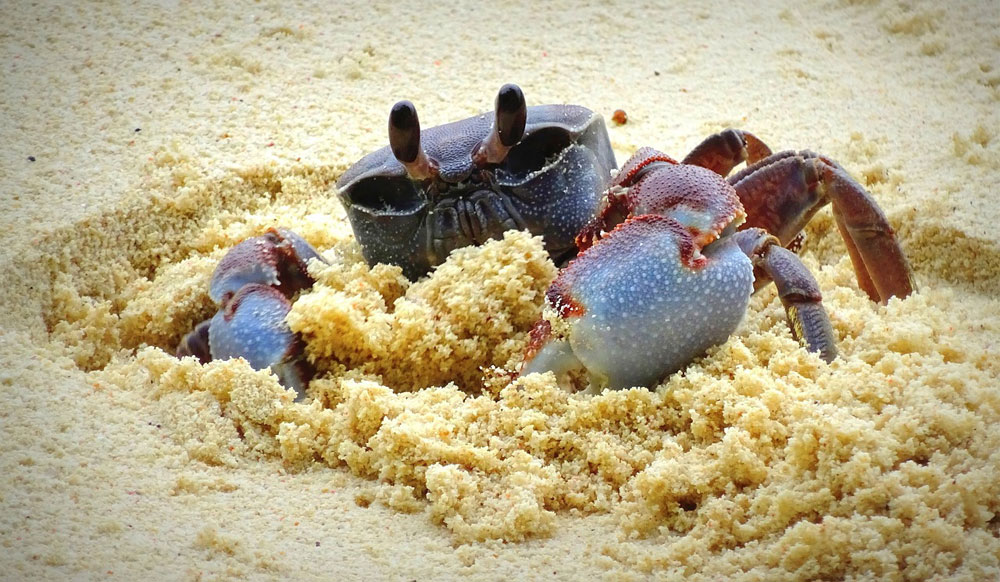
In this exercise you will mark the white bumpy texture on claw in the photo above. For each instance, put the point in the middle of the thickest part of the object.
(638, 312)
(252, 327)
(254, 284)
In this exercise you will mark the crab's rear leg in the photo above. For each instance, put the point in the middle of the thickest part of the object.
(797, 289)
(723, 151)
(782, 193)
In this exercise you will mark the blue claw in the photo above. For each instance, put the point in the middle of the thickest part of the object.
(252, 326)
(254, 284)
(278, 258)
(639, 305)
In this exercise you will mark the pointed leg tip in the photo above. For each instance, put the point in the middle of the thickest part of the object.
(195, 343)
(295, 375)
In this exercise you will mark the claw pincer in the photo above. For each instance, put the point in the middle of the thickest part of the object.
(649, 296)
(253, 285)
(636, 310)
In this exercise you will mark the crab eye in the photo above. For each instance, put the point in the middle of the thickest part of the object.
(404, 132)
(535, 151)
(511, 115)
(383, 195)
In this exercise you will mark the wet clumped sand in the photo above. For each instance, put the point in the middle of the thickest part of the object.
(419, 454)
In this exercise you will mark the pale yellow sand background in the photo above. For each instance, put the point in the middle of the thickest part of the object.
(163, 133)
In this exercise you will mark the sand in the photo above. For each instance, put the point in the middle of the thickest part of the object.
(143, 141)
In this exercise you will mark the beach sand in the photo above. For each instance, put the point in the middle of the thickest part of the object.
(142, 141)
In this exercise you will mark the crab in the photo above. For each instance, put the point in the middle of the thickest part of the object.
(660, 260)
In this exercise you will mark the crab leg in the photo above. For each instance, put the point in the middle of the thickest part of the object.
(721, 152)
(797, 289)
(195, 343)
(782, 192)
(870, 240)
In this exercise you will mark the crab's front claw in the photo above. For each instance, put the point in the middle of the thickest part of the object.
(639, 304)
(252, 326)
(278, 258)
(254, 284)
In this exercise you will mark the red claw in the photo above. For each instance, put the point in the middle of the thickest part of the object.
(279, 258)
(639, 160)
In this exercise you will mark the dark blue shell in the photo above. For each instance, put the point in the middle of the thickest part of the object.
(550, 184)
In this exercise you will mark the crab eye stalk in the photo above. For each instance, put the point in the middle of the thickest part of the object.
(508, 126)
(512, 113)
(404, 140)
